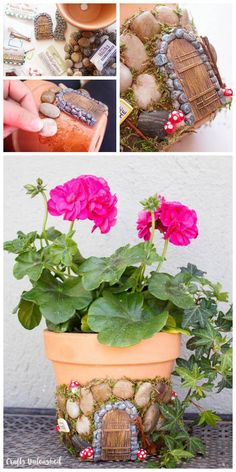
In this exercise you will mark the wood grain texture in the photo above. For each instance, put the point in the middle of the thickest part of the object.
(116, 436)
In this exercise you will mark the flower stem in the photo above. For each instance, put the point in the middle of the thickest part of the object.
(163, 254)
(152, 229)
(71, 227)
(45, 217)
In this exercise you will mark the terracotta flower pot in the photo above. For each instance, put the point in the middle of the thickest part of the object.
(72, 135)
(96, 16)
(80, 356)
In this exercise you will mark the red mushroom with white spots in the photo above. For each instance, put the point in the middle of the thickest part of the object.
(142, 454)
(169, 127)
(86, 453)
(176, 117)
(228, 94)
(74, 385)
(173, 395)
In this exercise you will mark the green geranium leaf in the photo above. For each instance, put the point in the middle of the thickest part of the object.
(21, 243)
(199, 314)
(29, 314)
(95, 270)
(193, 270)
(52, 233)
(58, 301)
(28, 263)
(121, 320)
(59, 328)
(61, 251)
(174, 289)
(208, 417)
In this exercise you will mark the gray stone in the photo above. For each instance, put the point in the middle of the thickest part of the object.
(213, 79)
(133, 428)
(189, 119)
(182, 98)
(189, 37)
(108, 407)
(200, 50)
(175, 94)
(143, 394)
(49, 110)
(146, 91)
(49, 128)
(196, 44)
(208, 66)
(169, 67)
(176, 105)
(168, 37)
(128, 404)
(121, 406)
(125, 78)
(145, 26)
(123, 389)
(101, 392)
(173, 76)
(72, 408)
(170, 84)
(133, 53)
(221, 93)
(177, 85)
(86, 401)
(161, 59)
(204, 57)
(179, 33)
(163, 71)
(150, 418)
(163, 47)
(186, 108)
(102, 412)
(83, 425)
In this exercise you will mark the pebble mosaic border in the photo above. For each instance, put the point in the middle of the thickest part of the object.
(167, 68)
(77, 112)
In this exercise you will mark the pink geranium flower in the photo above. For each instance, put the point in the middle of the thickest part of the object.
(176, 221)
(86, 196)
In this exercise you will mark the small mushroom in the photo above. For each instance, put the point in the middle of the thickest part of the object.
(177, 116)
(228, 94)
(142, 454)
(74, 385)
(169, 127)
(173, 395)
(86, 453)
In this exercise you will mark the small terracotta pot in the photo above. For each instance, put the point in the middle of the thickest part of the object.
(79, 356)
(97, 15)
(72, 135)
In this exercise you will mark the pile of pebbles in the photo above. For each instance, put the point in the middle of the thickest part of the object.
(48, 108)
(81, 46)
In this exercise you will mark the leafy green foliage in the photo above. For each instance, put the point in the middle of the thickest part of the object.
(207, 417)
(28, 263)
(123, 320)
(167, 287)
(192, 270)
(61, 251)
(21, 243)
(199, 313)
(29, 314)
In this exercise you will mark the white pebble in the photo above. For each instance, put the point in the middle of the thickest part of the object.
(49, 127)
(84, 6)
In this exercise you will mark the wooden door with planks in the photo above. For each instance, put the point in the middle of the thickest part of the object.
(194, 78)
(116, 436)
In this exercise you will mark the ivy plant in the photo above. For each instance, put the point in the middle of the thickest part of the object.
(126, 297)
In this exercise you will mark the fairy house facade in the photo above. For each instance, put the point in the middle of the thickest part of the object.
(166, 66)
(111, 419)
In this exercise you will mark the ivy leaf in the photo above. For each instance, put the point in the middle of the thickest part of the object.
(173, 416)
(225, 320)
(52, 233)
(220, 296)
(121, 320)
(204, 338)
(191, 378)
(199, 314)
(193, 270)
(58, 301)
(95, 270)
(180, 454)
(29, 314)
(208, 417)
(225, 382)
(21, 243)
(61, 251)
(226, 361)
(166, 287)
(28, 263)
(186, 363)
(195, 445)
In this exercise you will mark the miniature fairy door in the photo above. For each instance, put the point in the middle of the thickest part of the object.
(43, 26)
(194, 77)
(116, 436)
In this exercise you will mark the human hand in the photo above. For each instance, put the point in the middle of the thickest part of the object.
(20, 110)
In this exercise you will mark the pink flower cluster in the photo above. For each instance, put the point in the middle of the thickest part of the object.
(85, 197)
(176, 221)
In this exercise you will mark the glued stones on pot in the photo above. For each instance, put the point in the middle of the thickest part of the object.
(49, 110)
(123, 389)
(186, 108)
(167, 16)
(143, 394)
(145, 26)
(152, 123)
(189, 119)
(61, 402)
(164, 392)
(133, 52)
(78, 443)
(48, 97)
(150, 418)
(179, 33)
(146, 91)
(86, 401)
(101, 392)
(125, 78)
(163, 47)
(177, 85)
(72, 409)
(182, 98)
(83, 425)
(160, 60)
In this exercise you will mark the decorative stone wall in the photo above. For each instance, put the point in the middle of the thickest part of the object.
(82, 409)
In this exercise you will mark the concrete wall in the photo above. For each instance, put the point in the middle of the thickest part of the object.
(203, 183)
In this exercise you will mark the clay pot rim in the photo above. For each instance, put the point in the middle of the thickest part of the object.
(84, 26)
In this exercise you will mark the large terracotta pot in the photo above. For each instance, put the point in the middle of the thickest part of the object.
(72, 135)
(81, 356)
(96, 16)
